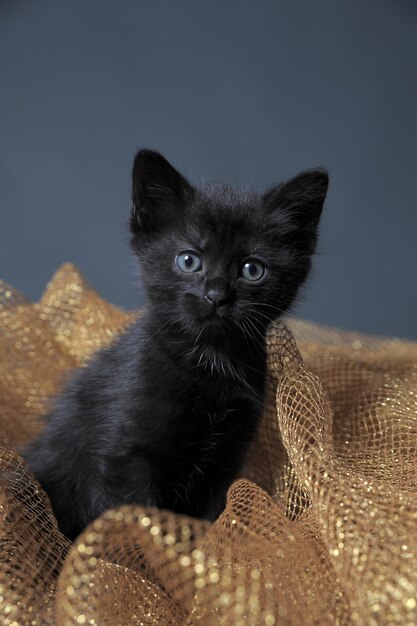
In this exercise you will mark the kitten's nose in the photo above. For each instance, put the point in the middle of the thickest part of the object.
(217, 293)
(215, 297)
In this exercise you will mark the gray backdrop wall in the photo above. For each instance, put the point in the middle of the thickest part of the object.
(250, 92)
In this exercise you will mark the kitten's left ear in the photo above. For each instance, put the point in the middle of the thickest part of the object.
(298, 204)
(158, 191)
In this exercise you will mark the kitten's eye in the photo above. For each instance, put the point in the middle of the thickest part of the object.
(252, 270)
(189, 262)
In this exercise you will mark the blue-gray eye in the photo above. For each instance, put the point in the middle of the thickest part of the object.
(189, 262)
(252, 270)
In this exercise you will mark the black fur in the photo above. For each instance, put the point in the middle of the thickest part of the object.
(164, 416)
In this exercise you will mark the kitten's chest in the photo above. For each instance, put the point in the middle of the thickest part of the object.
(209, 420)
(193, 430)
(188, 414)
(207, 450)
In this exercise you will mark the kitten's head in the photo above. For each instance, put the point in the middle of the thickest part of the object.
(220, 261)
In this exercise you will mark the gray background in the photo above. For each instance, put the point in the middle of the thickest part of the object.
(251, 92)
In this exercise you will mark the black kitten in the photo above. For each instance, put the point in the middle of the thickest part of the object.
(165, 415)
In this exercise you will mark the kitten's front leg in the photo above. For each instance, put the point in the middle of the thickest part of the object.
(129, 479)
(216, 499)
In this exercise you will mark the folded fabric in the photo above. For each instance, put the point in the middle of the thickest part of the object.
(321, 528)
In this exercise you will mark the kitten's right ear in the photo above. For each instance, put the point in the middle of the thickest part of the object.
(158, 191)
(298, 204)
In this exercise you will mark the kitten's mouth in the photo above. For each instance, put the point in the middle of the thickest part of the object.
(219, 325)
(214, 321)
(216, 316)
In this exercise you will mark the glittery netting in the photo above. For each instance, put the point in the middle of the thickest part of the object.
(320, 529)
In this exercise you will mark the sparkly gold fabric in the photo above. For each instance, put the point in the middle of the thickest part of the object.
(320, 529)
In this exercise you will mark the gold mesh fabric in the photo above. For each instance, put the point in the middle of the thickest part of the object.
(320, 529)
